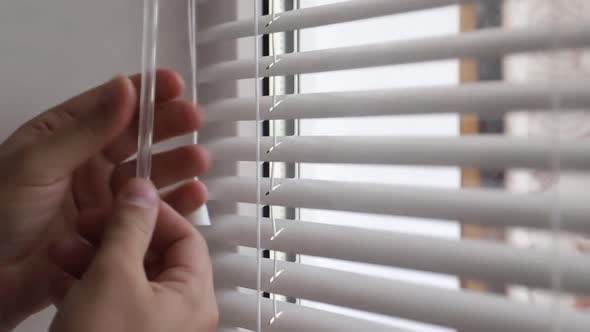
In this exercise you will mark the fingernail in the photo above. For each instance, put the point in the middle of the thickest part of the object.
(140, 193)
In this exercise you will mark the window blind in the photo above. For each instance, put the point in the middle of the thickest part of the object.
(238, 270)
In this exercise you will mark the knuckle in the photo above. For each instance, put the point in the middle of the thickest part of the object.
(67, 114)
(23, 159)
(53, 120)
(103, 269)
(200, 243)
(208, 318)
(46, 123)
(114, 268)
(43, 126)
(212, 319)
(136, 223)
(200, 296)
(27, 168)
(193, 297)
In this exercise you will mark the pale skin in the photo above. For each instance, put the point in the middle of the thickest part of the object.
(77, 231)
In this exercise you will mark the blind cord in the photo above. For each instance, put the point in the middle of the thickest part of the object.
(201, 217)
(192, 51)
(258, 168)
(148, 88)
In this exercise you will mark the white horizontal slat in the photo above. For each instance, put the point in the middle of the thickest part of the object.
(463, 310)
(494, 98)
(466, 258)
(476, 151)
(473, 44)
(240, 310)
(320, 15)
(478, 206)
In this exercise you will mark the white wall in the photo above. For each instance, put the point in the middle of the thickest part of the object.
(51, 50)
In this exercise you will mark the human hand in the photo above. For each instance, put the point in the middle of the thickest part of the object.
(115, 294)
(68, 163)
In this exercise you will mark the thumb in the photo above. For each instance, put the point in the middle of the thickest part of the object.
(129, 232)
(83, 126)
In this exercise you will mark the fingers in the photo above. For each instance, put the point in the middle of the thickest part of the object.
(81, 127)
(171, 119)
(168, 168)
(59, 288)
(187, 198)
(169, 84)
(62, 138)
(128, 234)
(174, 118)
(72, 255)
(176, 255)
(91, 225)
(167, 229)
(185, 257)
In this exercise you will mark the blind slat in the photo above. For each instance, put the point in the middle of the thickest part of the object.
(478, 206)
(240, 310)
(464, 310)
(494, 98)
(458, 309)
(473, 44)
(467, 258)
(320, 15)
(476, 151)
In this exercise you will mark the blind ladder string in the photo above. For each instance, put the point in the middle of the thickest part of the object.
(274, 18)
(258, 169)
(273, 88)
